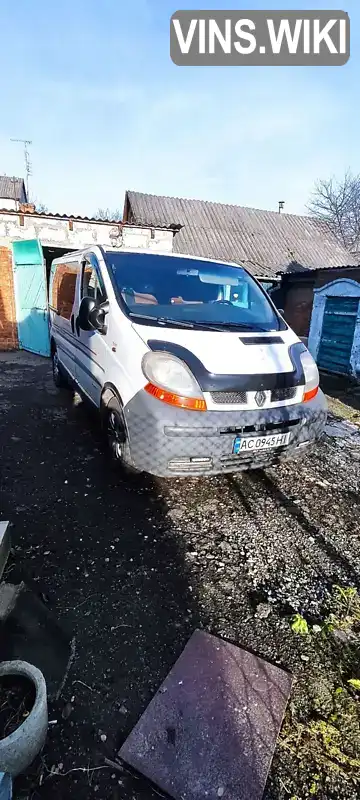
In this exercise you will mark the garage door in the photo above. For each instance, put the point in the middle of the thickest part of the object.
(337, 334)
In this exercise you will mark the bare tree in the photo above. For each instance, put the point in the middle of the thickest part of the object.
(337, 202)
(110, 214)
(41, 208)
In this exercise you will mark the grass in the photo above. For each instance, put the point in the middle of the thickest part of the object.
(321, 731)
(342, 410)
(344, 613)
(327, 744)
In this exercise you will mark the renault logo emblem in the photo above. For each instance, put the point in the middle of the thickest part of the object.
(260, 398)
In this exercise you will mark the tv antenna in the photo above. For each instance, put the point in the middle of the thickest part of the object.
(28, 167)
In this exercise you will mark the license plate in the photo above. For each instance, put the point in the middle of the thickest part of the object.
(251, 444)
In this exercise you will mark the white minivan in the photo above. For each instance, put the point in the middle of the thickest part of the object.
(193, 369)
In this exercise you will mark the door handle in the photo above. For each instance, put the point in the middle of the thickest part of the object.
(72, 323)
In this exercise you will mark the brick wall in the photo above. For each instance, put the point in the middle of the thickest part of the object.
(326, 276)
(8, 326)
(298, 306)
(298, 294)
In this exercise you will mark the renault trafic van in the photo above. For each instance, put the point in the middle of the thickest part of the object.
(191, 366)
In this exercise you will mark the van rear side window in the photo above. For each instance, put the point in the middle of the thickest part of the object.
(63, 288)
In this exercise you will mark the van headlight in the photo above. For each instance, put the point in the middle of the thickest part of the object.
(171, 381)
(311, 374)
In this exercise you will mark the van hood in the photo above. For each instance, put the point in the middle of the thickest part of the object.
(229, 352)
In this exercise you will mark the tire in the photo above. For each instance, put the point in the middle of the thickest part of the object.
(59, 377)
(116, 435)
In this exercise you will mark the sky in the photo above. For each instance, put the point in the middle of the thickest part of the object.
(91, 83)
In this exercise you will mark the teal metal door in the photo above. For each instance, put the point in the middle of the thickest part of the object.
(337, 334)
(31, 296)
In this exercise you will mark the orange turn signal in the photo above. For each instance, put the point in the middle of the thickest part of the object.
(192, 403)
(310, 395)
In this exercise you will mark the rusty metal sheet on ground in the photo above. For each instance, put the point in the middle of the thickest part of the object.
(211, 729)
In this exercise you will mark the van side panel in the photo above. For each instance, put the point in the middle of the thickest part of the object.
(63, 283)
(94, 360)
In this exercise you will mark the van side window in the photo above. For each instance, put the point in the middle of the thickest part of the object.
(63, 288)
(91, 283)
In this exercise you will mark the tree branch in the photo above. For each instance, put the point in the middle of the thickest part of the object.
(337, 203)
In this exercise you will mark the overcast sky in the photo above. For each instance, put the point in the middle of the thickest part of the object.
(92, 84)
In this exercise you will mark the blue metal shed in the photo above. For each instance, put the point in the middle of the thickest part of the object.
(334, 338)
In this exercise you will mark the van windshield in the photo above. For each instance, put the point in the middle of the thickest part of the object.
(186, 292)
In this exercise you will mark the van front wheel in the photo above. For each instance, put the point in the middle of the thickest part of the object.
(116, 434)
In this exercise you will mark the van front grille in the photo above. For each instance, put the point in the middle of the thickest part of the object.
(278, 395)
(241, 398)
(282, 426)
(261, 457)
(229, 398)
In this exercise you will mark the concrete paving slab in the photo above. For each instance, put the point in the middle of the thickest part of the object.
(211, 729)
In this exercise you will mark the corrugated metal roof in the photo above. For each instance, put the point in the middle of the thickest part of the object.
(266, 242)
(12, 189)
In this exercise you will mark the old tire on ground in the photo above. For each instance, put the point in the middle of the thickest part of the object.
(18, 750)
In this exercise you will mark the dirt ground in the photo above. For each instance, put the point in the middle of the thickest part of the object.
(134, 566)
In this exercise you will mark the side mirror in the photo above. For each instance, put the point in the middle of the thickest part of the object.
(91, 316)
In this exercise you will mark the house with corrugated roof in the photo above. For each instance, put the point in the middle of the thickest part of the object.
(12, 192)
(269, 244)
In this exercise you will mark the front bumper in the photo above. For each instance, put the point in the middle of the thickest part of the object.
(167, 441)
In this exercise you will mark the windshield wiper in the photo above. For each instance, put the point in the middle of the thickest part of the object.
(162, 320)
(179, 323)
(245, 326)
(208, 326)
(203, 324)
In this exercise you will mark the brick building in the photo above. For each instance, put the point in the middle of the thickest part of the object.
(8, 325)
(12, 192)
(53, 235)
